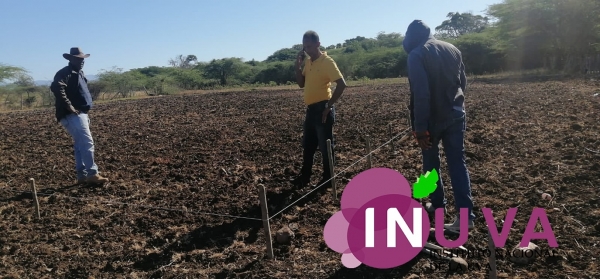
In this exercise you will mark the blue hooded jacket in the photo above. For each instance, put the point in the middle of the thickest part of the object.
(437, 79)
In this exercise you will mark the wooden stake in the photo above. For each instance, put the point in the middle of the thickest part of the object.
(330, 153)
(404, 137)
(369, 158)
(391, 137)
(492, 257)
(35, 198)
(265, 219)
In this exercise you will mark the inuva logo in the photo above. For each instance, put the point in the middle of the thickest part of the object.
(360, 231)
(378, 200)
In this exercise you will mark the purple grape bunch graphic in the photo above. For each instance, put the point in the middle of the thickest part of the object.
(380, 189)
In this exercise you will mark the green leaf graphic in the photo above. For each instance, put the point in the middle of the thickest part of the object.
(425, 184)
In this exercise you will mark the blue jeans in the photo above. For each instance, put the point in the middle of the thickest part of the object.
(315, 135)
(451, 134)
(78, 127)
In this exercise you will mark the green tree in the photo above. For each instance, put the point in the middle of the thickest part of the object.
(225, 69)
(557, 34)
(123, 84)
(280, 72)
(387, 63)
(459, 24)
(10, 72)
(184, 62)
(284, 54)
(480, 52)
(391, 40)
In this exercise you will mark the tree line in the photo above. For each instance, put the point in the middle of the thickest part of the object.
(513, 35)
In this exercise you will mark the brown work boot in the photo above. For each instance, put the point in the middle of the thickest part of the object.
(80, 181)
(97, 179)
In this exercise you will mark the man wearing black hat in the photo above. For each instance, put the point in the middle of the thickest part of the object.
(73, 102)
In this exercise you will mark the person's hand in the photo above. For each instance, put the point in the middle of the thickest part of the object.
(325, 114)
(300, 58)
(423, 139)
(73, 110)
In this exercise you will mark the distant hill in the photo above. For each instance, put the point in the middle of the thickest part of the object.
(42, 82)
(48, 82)
(91, 77)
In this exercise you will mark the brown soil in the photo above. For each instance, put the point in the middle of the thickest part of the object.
(172, 158)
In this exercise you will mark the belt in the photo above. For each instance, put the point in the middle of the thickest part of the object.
(317, 104)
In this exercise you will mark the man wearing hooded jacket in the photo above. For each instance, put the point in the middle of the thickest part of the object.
(437, 81)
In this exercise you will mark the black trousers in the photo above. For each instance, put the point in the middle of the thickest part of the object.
(315, 135)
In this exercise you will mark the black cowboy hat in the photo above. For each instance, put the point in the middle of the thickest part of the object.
(75, 52)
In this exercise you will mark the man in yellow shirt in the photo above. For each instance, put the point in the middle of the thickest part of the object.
(319, 72)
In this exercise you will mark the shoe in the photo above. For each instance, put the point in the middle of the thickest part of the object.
(97, 179)
(80, 181)
(431, 210)
(324, 184)
(455, 227)
(300, 181)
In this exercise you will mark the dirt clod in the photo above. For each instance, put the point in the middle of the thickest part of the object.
(525, 255)
(284, 235)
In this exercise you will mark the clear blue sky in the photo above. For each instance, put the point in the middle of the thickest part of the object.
(138, 33)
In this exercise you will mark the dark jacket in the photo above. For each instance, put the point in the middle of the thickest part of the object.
(70, 88)
(436, 75)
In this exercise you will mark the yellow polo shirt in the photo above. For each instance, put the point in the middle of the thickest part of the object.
(319, 75)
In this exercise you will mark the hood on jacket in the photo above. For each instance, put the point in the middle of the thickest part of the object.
(417, 34)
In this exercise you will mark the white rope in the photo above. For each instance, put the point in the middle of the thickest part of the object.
(317, 187)
(110, 202)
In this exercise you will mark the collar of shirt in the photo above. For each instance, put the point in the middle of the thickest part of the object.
(321, 57)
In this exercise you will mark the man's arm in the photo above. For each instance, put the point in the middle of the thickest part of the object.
(463, 77)
(340, 85)
(84, 77)
(334, 74)
(420, 87)
(300, 79)
(411, 106)
(59, 88)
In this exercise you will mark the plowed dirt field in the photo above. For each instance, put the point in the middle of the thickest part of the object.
(172, 159)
